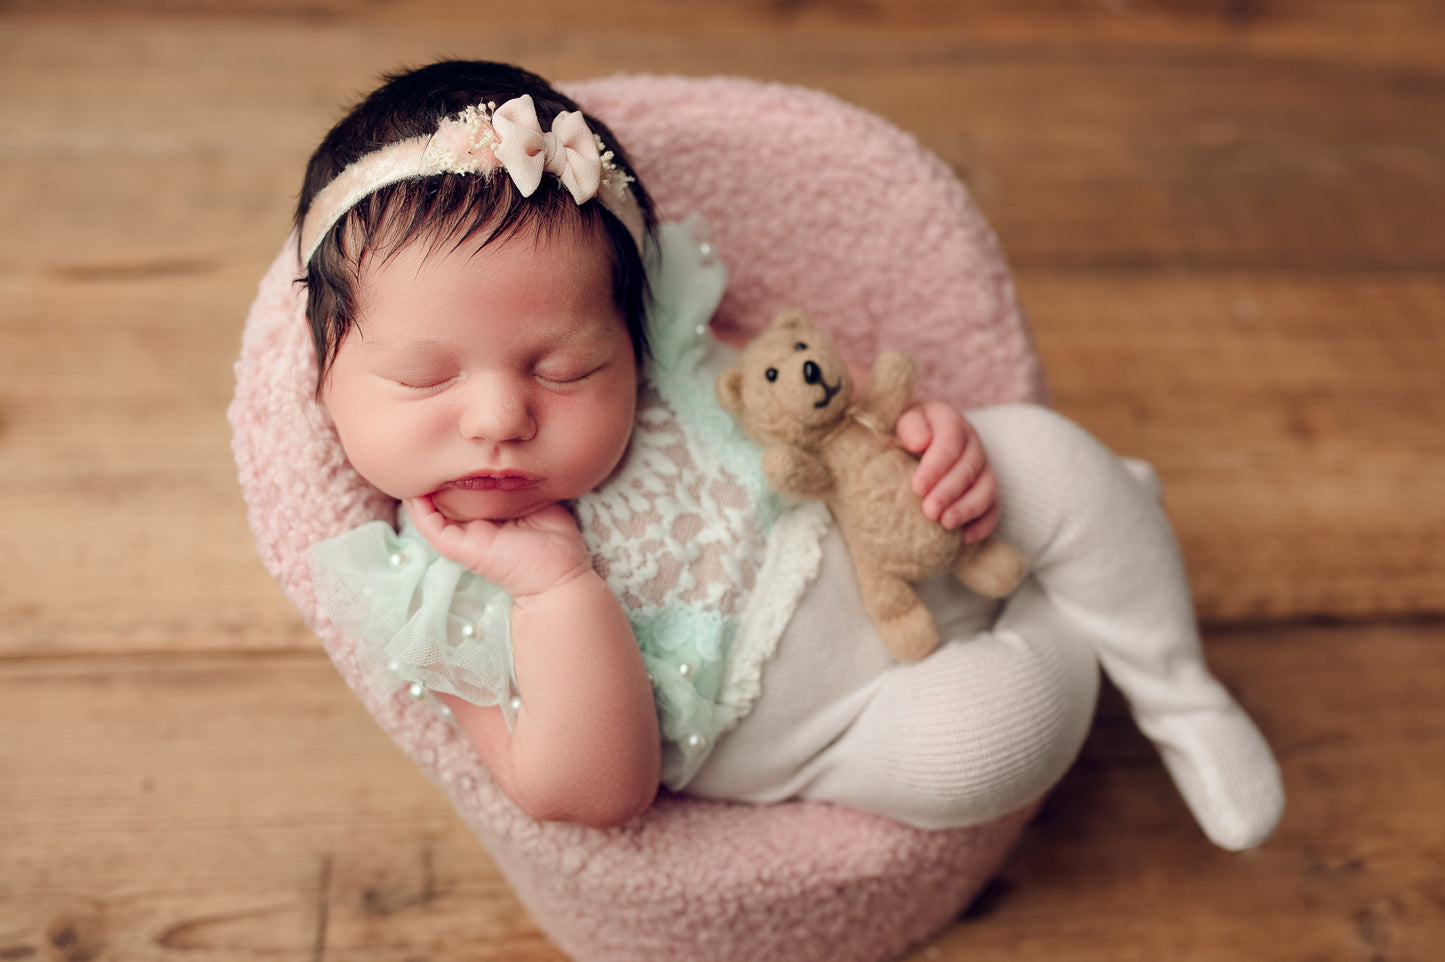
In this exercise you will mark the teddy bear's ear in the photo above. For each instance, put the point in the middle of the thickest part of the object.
(729, 387)
(793, 320)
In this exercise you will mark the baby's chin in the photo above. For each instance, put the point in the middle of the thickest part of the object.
(462, 506)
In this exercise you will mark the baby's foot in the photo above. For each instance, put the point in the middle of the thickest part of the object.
(1143, 472)
(1224, 769)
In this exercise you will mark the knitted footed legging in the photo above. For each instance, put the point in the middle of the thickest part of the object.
(994, 717)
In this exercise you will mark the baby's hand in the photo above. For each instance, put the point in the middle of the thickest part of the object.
(953, 477)
(524, 557)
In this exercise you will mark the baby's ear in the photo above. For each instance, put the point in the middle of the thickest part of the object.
(729, 387)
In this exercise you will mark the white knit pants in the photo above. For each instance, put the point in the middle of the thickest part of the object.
(994, 717)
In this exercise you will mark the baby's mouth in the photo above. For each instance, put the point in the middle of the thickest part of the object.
(830, 391)
(494, 481)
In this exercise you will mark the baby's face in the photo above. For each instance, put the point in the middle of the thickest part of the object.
(499, 380)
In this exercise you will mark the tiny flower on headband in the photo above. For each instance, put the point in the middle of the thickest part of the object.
(479, 140)
(463, 144)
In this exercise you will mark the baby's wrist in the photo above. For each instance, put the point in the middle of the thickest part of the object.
(571, 585)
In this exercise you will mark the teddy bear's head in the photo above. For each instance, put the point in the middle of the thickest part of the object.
(790, 385)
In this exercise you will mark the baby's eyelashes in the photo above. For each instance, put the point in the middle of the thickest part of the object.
(423, 384)
(565, 377)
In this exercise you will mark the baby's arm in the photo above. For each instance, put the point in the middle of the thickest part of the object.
(585, 744)
(954, 479)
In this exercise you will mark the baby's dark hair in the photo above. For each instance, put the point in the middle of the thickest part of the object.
(450, 208)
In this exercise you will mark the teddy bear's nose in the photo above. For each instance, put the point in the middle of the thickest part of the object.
(811, 374)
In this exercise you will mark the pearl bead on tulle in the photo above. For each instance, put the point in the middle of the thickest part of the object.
(396, 559)
(694, 742)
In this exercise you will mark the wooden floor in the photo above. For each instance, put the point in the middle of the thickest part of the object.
(1227, 220)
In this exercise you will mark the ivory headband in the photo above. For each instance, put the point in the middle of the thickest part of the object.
(480, 140)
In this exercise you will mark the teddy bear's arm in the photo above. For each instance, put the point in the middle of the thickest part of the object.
(890, 387)
(796, 472)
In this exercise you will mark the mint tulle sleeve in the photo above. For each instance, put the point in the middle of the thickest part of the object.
(422, 623)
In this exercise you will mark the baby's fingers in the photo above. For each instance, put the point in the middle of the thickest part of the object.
(912, 429)
(973, 509)
(425, 517)
(949, 495)
(464, 544)
(982, 526)
(946, 469)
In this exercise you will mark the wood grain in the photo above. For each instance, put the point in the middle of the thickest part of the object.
(1223, 218)
(1295, 421)
(225, 806)
(1396, 31)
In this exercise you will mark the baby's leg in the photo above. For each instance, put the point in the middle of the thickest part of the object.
(1104, 552)
(985, 725)
(981, 727)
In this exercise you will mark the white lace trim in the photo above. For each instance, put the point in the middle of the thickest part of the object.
(794, 556)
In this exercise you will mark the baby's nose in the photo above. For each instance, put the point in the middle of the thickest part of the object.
(811, 374)
(496, 412)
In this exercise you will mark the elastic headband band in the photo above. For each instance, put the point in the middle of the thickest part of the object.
(480, 140)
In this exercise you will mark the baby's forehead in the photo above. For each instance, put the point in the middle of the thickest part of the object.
(408, 224)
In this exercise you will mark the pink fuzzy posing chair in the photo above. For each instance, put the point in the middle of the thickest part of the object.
(811, 203)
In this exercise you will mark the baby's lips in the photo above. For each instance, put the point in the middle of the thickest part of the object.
(495, 481)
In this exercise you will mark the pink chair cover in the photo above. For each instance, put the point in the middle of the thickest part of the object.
(813, 204)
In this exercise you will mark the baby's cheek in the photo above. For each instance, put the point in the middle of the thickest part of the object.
(374, 453)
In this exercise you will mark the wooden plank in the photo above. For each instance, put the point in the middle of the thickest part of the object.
(1295, 421)
(1133, 160)
(229, 806)
(1386, 30)
(226, 807)
(113, 396)
(1145, 158)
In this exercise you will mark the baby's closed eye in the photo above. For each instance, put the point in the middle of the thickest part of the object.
(421, 379)
(565, 375)
(569, 370)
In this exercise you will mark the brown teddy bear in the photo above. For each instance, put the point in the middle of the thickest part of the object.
(792, 391)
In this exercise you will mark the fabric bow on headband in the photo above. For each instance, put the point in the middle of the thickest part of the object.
(478, 141)
(569, 150)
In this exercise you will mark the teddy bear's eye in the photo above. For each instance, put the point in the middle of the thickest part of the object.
(771, 374)
(800, 346)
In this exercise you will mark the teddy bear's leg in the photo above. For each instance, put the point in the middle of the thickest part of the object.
(991, 568)
(903, 622)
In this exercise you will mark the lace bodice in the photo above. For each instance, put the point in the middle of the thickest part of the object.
(673, 528)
